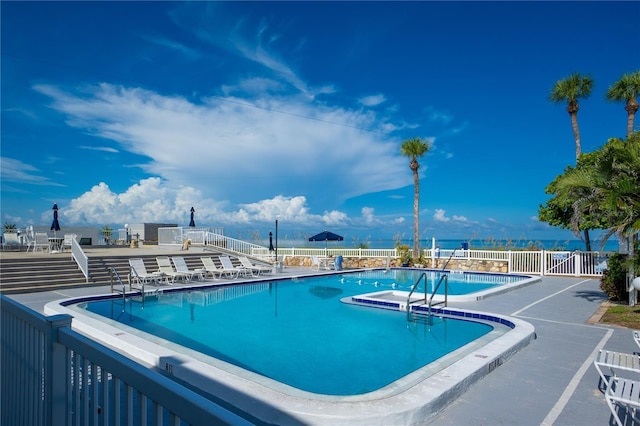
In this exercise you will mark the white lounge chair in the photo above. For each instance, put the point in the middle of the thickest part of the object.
(138, 275)
(11, 240)
(164, 265)
(623, 395)
(615, 361)
(315, 263)
(211, 268)
(182, 267)
(636, 337)
(29, 238)
(228, 265)
(254, 268)
(41, 242)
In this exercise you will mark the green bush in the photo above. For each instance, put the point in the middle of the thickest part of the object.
(613, 281)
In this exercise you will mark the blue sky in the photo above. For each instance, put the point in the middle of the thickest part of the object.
(131, 112)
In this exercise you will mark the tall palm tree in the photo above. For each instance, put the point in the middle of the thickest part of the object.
(626, 89)
(569, 90)
(415, 148)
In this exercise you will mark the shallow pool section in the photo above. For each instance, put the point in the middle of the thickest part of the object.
(292, 351)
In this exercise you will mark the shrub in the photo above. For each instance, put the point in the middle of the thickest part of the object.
(613, 281)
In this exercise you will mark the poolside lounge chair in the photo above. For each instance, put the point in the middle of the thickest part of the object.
(11, 240)
(138, 275)
(636, 337)
(324, 263)
(210, 267)
(181, 266)
(623, 395)
(228, 265)
(41, 242)
(615, 361)
(315, 263)
(254, 268)
(164, 265)
(29, 237)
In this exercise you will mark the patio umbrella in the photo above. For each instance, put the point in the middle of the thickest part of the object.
(270, 241)
(55, 225)
(326, 236)
(192, 223)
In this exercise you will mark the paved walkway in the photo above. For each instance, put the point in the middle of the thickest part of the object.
(551, 381)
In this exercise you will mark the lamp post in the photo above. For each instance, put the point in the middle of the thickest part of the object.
(276, 240)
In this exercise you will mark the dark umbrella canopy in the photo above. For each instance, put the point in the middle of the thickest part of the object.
(326, 236)
(55, 225)
(192, 223)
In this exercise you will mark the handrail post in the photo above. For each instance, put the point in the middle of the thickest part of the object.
(56, 372)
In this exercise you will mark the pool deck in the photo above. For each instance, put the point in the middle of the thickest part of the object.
(550, 381)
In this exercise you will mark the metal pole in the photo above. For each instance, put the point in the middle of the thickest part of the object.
(276, 240)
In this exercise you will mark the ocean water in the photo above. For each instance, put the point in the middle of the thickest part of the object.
(448, 244)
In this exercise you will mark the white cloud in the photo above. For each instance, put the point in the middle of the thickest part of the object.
(372, 100)
(367, 214)
(154, 200)
(12, 170)
(439, 216)
(100, 148)
(459, 218)
(231, 147)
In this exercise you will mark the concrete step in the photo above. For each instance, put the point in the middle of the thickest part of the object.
(56, 272)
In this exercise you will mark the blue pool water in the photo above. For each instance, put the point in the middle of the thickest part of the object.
(299, 332)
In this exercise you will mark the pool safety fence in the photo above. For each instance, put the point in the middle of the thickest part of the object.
(51, 374)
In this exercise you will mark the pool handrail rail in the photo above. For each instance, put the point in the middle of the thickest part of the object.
(429, 303)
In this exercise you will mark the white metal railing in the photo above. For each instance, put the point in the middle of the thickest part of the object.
(220, 241)
(50, 374)
(80, 258)
(542, 262)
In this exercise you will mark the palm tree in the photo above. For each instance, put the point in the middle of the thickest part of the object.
(626, 89)
(570, 90)
(610, 186)
(414, 148)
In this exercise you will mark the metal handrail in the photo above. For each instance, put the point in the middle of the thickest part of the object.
(444, 278)
(413, 288)
(446, 288)
(123, 290)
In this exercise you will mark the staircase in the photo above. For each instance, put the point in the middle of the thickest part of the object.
(24, 275)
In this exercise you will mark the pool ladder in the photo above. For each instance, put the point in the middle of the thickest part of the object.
(118, 286)
(428, 301)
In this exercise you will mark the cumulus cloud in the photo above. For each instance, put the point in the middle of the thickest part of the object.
(154, 200)
(367, 214)
(439, 216)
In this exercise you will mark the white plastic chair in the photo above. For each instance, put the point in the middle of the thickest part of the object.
(41, 242)
(11, 240)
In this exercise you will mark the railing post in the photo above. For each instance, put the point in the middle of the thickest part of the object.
(577, 261)
(56, 372)
(543, 262)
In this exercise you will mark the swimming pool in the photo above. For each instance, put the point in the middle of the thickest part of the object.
(332, 352)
